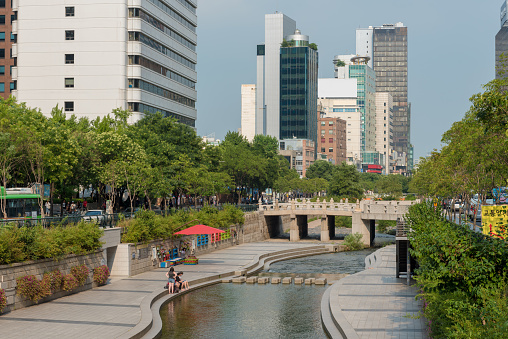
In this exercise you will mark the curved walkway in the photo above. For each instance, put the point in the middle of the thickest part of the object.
(373, 303)
(114, 310)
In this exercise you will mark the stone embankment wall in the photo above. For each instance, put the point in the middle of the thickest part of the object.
(9, 273)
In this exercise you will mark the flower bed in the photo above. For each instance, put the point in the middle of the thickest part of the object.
(3, 300)
(101, 274)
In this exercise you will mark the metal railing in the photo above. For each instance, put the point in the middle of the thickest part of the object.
(105, 220)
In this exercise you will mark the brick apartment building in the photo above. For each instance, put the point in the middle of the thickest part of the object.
(332, 139)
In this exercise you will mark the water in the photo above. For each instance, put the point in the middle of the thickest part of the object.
(259, 311)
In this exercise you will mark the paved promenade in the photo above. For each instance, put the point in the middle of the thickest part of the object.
(111, 311)
(375, 304)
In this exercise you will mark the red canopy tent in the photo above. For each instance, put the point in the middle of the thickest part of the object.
(200, 229)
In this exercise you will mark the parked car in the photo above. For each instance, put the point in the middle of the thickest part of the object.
(457, 205)
(94, 215)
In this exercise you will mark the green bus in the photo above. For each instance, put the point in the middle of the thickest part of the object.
(21, 203)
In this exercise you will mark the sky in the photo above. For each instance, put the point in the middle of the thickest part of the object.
(451, 53)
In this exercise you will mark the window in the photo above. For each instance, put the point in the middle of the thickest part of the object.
(2, 70)
(2, 19)
(14, 37)
(14, 17)
(2, 36)
(2, 53)
(69, 82)
(69, 106)
(323, 140)
(330, 123)
(69, 35)
(69, 58)
(323, 150)
(322, 132)
(2, 3)
(14, 85)
(331, 132)
(69, 11)
(323, 123)
(330, 140)
(2, 87)
(330, 149)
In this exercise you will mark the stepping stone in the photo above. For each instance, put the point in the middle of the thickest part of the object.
(320, 281)
(226, 280)
(239, 280)
(275, 280)
(298, 281)
(251, 280)
(241, 272)
(308, 281)
(287, 280)
(263, 280)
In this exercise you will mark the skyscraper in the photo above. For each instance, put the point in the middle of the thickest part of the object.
(92, 57)
(298, 88)
(387, 47)
(277, 26)
(248, 122)
(502, 43)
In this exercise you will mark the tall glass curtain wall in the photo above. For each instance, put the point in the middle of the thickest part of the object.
(298, 93)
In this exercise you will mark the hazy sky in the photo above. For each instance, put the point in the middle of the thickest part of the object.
(450, 46)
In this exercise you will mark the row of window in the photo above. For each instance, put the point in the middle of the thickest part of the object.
(188, 5)
(330, 123)
(137, 13)
(348, 110)
(174, 14)
(12, 86)
(137, 36)
(141, 84)
(142, 108)
(153, 66)
(13, 37)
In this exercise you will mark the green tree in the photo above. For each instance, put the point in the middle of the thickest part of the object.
(345, 182)
(321, 169)
(389, 185)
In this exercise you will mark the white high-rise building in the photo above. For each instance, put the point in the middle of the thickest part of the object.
(277, 26)
(248, 129)
(384, 128)
(338, 99)
(91, 57)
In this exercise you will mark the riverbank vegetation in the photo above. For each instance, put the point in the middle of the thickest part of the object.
(33, 243)
(462, 274)
(149, 226)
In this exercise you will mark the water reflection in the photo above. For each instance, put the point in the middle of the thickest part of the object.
(259, 311)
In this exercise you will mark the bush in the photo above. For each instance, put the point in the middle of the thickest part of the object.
(69, 282)
(3, 300)
(353, 242)
(33, 243)
(32, 288)
(80, 273)
(343, 221)
(462, 275)
(101, 275)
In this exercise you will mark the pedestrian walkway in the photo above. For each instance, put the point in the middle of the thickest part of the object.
(375, 304)
(111, 311)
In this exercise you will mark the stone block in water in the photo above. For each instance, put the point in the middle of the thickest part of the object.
(276, 280)
(287, 280)
(298, 281)
(262, 280)
(308, 281)
(251, 280)
(239, 280)
(320, 281)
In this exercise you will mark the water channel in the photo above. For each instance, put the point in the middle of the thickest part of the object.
(260, 311)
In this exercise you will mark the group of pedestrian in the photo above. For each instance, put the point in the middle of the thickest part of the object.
(175, 282)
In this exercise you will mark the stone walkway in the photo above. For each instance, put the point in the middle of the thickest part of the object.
(112, 310)
(374, 304)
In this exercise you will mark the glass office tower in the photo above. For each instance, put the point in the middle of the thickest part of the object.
(298, 89)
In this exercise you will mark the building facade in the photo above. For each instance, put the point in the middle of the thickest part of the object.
(502, 44)
(338, 99)
(298, 89)
(91, 57)
(8, 36)
(248, 122)
(387, 46)
(332, 139)
(299, 152)
(277, 26)
(384, 129)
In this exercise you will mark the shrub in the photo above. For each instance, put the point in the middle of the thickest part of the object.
(32, 288)
(101, 274)
(80, 273)
(11, 245)
(3, 300)
(69, 282)
(353, 242)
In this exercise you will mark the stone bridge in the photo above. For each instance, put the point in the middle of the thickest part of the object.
(364, 215)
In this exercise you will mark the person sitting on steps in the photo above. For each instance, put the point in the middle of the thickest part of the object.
(182, 284)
